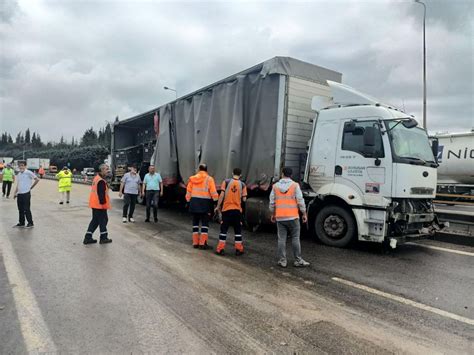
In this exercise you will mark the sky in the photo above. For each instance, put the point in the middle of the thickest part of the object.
(70, 65)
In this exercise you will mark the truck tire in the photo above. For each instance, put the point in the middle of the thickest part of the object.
(335, 226)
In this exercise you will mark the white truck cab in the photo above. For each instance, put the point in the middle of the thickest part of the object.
(371, 172)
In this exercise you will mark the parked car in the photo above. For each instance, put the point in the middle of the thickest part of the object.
(88, 172)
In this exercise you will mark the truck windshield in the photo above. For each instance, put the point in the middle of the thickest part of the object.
(409, 145)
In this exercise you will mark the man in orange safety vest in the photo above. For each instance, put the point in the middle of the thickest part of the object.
(200, 194)
(99, 202)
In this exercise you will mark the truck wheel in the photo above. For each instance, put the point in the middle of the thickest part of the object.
(335, 226)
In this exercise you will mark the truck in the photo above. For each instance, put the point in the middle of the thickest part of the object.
(367, 171)
(33, 163)
(44, 162)
(133, 143)
(456, 167)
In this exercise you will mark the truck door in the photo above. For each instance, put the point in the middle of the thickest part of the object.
(363, 161)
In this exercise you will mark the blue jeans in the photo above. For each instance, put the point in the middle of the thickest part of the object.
(289, 229)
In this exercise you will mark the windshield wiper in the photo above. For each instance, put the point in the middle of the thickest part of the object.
(416, 159)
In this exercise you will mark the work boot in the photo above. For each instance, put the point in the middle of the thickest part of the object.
(156, 219)
(205, 246)
(239, 252)
(19, 225)
(147, 220)
(30, 225)
(105, 240)
(61, 202)
(67, 201)
(89, 240)
(195, 246)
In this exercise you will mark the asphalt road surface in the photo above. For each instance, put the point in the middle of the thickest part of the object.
(150, 291)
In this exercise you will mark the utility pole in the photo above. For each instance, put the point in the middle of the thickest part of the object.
(424, 62)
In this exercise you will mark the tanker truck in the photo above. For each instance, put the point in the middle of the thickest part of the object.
(367, 171)
(456, 167)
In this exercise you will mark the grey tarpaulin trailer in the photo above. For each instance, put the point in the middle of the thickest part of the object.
(258, 119)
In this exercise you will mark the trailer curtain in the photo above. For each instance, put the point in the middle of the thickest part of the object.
(232, 124)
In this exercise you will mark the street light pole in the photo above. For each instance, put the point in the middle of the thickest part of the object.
(424, 62)
(175, 92)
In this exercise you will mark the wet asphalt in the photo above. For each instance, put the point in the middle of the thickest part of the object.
(150, 291)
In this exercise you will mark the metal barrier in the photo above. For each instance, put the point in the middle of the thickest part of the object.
(78, 179)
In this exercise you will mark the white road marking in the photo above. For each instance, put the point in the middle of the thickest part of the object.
(406, 301)
(454, 251)
(33, 327)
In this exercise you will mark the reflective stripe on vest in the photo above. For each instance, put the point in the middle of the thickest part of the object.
(202, 192)
(94, 201)
(286, 205)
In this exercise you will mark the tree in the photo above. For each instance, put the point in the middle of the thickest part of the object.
(10, 139)
(33, 140)
(89, 137)
(27, 136)
(39, 143)
(19, 138)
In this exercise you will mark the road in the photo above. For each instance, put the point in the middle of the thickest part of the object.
(150, 291)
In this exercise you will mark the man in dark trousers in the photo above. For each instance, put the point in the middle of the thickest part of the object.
(233, 192)
(99, 201)
(200, 192)
(26, 181)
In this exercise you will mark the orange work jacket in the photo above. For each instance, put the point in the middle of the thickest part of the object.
(94, 201)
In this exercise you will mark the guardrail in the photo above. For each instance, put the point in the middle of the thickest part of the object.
(78, 179)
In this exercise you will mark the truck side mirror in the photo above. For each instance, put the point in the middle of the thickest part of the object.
(434, 148)
(349, 127)
(410, 123)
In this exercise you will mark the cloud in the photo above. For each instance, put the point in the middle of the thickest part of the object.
(69, 65)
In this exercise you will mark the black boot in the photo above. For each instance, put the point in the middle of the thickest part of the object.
(89, 240)
(105, 240)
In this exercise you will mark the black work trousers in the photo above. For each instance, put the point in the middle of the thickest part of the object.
(23, 202)
(99, 219)
(152, 198)
(129, 202)
(231, 218)
(7, 187)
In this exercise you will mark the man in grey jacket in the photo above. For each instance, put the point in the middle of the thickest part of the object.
(286, 202)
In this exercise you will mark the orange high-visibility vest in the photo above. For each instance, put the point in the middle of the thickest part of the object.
(286, 205)
(205, 189)
(94, 196)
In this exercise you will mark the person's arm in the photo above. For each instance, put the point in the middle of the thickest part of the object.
(35, 182)
(189, 190)
(221, 196)
(16, 191)
(121, 189)
(244, 192)
(301, 204)
(58, 175)
(213, 190)
(140, 185)
(101, 191)
(161, 188)
(144, 186)
(271, 205)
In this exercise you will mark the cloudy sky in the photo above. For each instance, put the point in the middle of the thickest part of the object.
(68, 65)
